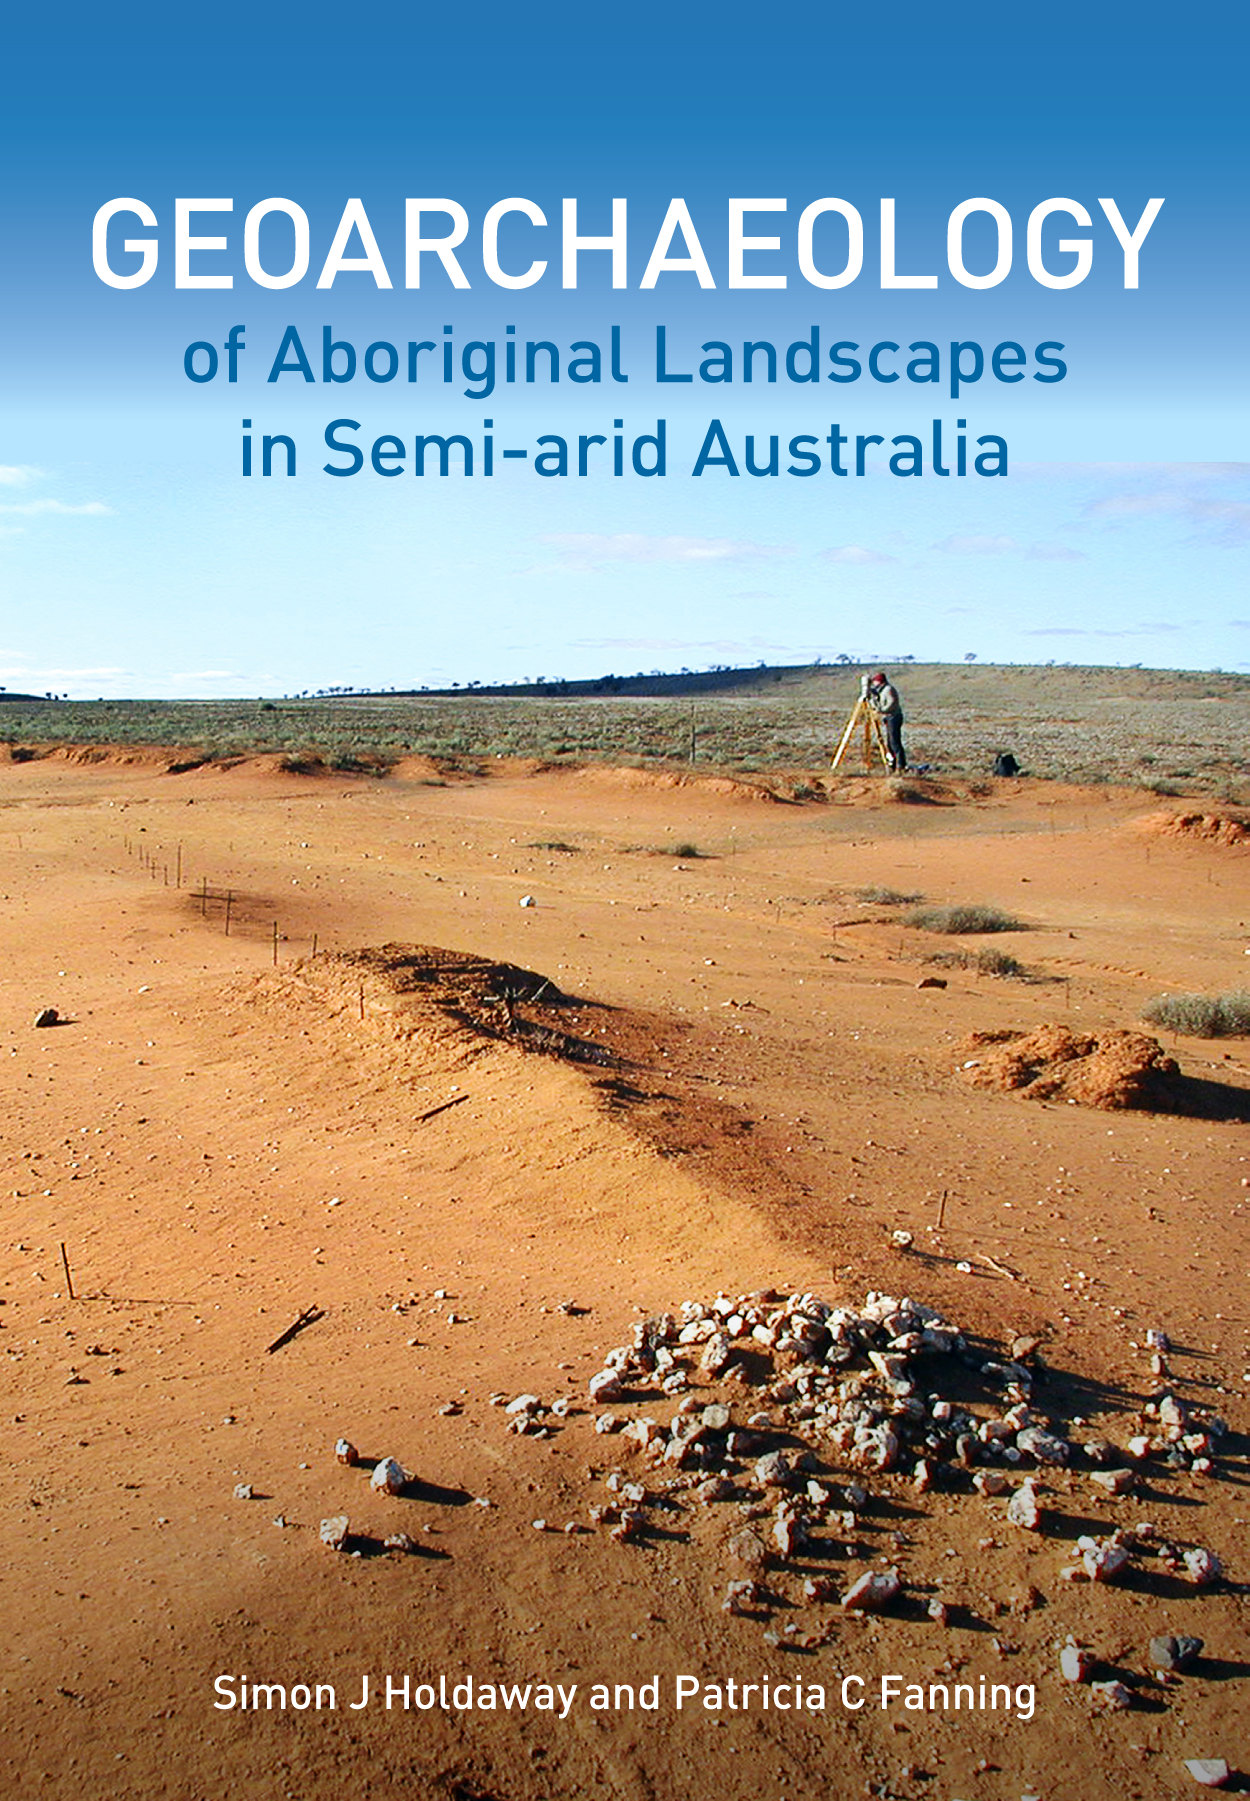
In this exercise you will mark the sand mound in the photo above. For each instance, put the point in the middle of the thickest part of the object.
(1231, 828)
(1111, 1069)
(616, 776)
(890, 791)
(417, 990)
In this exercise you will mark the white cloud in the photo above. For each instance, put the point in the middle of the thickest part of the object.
(1225, 523)
(53, 677)
(856, 554)
(1055, 553)
(584, 551)
(96, 509)
(16, 475)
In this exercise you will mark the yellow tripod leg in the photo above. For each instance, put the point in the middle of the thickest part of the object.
(848, 733)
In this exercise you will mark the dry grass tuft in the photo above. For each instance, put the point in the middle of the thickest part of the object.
(1202, 1015)
(955, 920)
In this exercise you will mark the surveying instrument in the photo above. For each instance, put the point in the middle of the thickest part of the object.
(864, 716)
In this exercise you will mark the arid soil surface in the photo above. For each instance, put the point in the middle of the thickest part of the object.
(668, 1077)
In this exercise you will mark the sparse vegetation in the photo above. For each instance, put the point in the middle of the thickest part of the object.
(956, 920)
(1067, 724)
(999, 963)
(1202, 1015)
(985, 962)
(886, 897)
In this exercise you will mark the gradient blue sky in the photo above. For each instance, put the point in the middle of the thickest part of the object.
(135, 559)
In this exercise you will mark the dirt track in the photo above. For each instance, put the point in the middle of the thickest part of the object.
(222, 1143)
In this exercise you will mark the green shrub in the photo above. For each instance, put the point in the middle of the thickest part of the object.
(1202, 1015)
(954, 920)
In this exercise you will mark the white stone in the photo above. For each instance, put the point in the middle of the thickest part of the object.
(1202, 1566)
(1111, 1695)
(388, 1476)
(1023, 1509)
(1075, 1664)
(1105, 1563)
(1211, 1772)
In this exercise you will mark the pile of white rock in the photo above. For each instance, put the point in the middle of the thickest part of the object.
(777, 1399)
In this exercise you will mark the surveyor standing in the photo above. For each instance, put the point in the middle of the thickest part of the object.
(883, 697)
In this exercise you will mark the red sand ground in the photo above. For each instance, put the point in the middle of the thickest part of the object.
(221, 1145)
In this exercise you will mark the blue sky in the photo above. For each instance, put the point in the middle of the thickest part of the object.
(136, 559)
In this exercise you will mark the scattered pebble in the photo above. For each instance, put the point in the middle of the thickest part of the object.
(1111, 1696)
(388, 1476)
(874, 1591)
(1211, 1772)
(1169, 1653)
(333, 1532)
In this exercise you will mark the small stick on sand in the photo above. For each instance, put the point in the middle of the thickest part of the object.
(442, 1108)
(941, 1210)
(306, 1318)
(69, 1280)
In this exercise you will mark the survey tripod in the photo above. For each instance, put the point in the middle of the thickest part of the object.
(865, 717)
